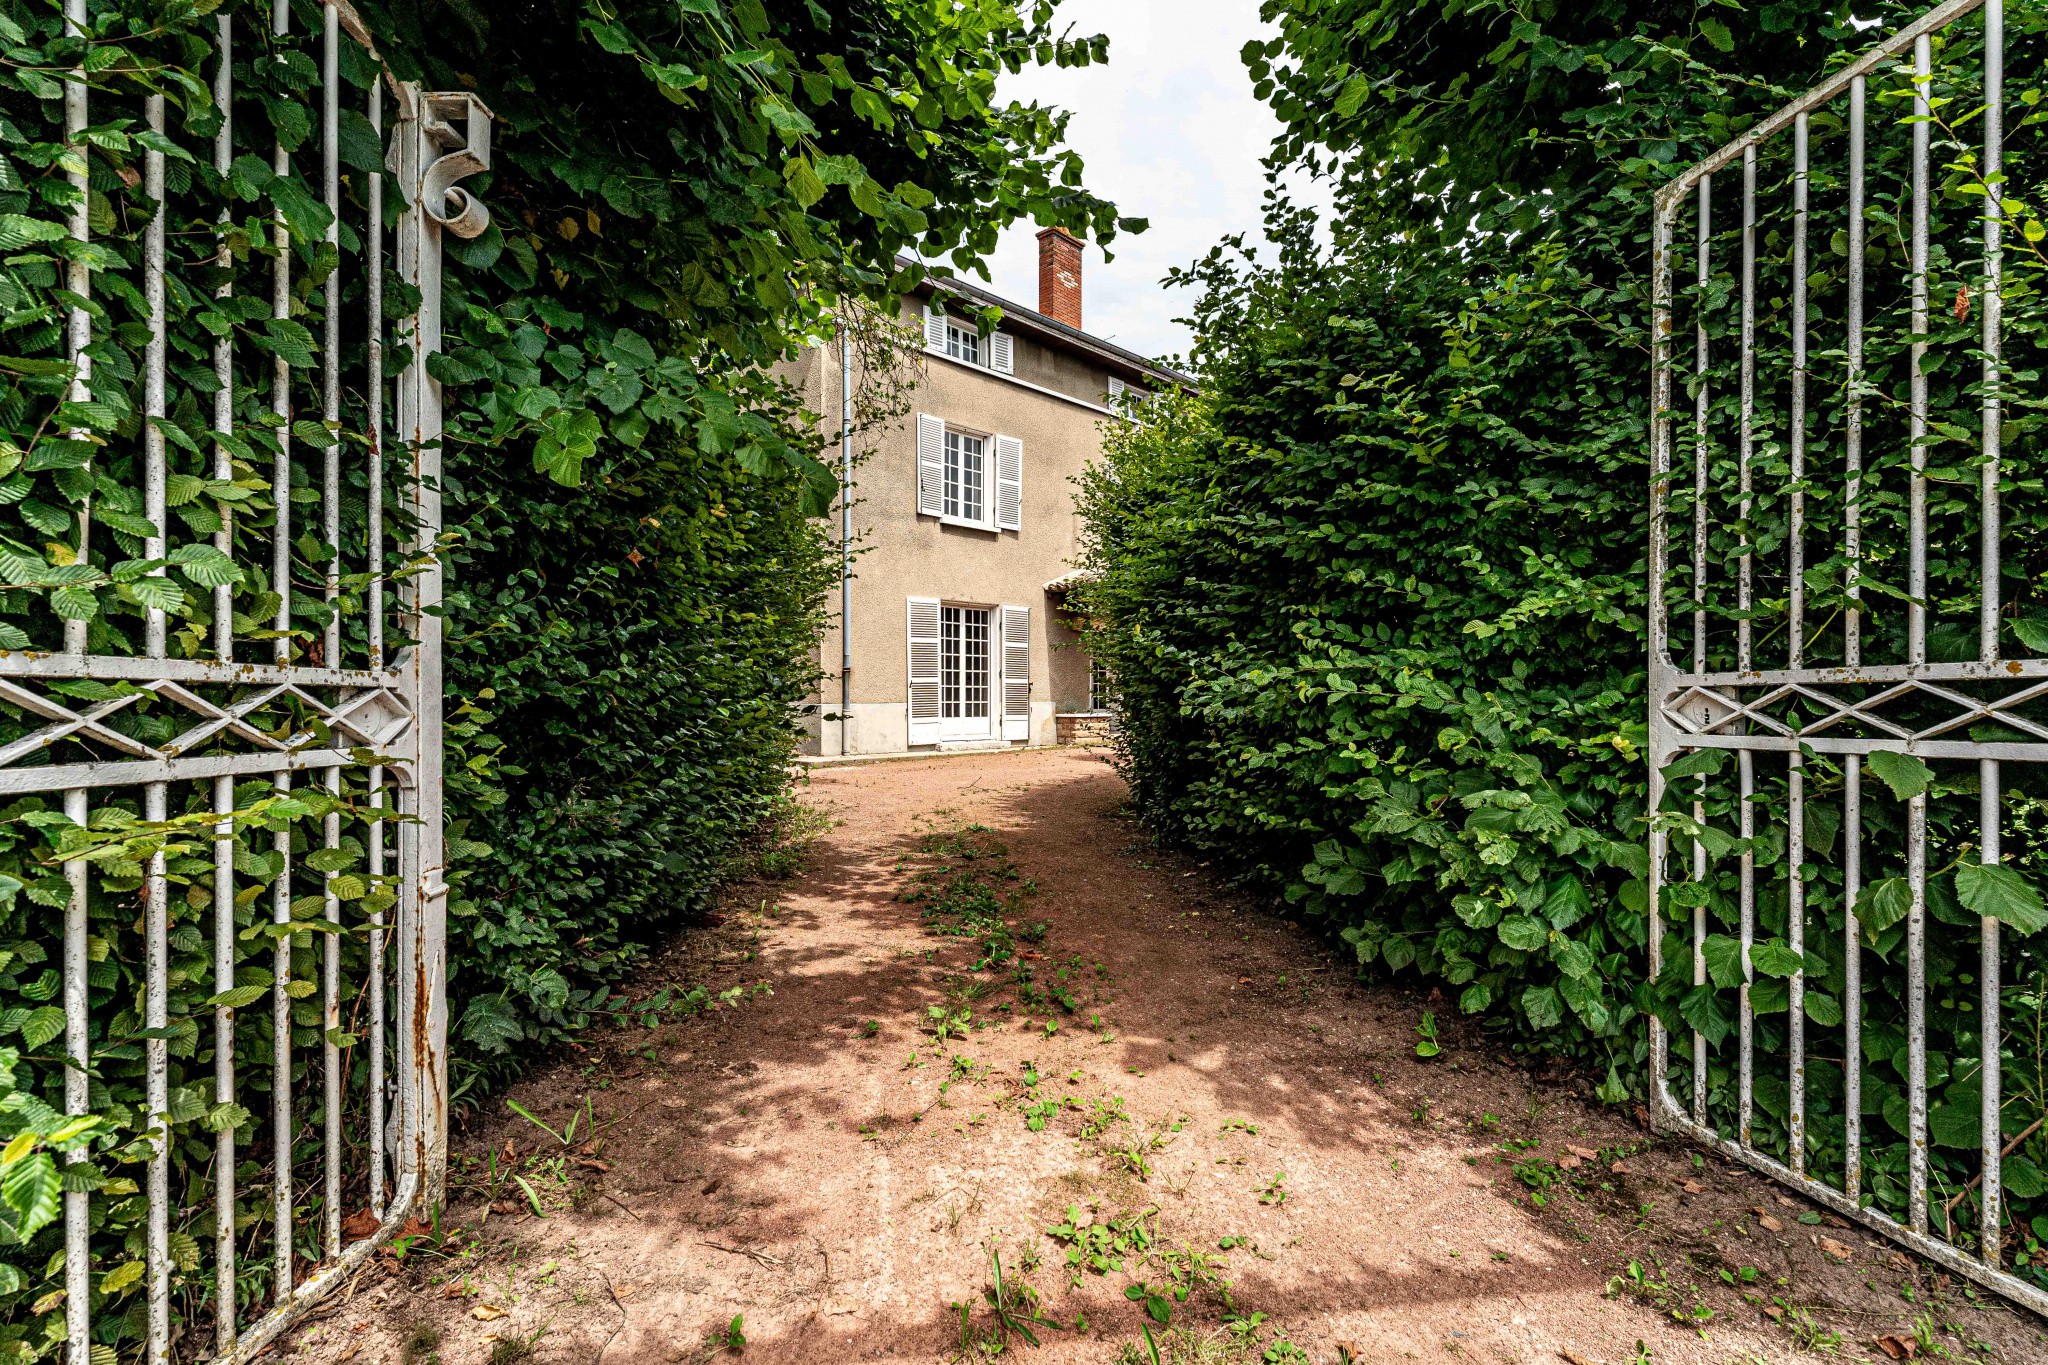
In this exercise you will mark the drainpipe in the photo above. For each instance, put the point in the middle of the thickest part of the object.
(845, 532)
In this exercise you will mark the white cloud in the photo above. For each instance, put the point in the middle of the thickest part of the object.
(1170, 131)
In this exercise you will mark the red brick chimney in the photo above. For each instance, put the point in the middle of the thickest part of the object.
(1059, 277)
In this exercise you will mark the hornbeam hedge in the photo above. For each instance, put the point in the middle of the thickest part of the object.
(1375, 600)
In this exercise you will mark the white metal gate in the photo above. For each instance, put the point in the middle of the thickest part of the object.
(1818, 452)
(336, 691)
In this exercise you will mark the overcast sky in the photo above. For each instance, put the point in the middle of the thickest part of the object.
(1170, 131)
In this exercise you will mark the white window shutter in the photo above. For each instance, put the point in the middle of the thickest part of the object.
(924, 669)
(1009, 483)
(934, 329)
(931, 466)
(1001, 358)
(1116, 390)
(1016, 673)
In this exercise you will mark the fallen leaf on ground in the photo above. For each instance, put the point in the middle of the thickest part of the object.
(1839, 1250)
(360, 1224)
(1899, 1348)
(1694, 1187)
(484, 1312)
(1768, 1223)
(1582, 1153)
(415, 1228)
(1836, 1222)
(1244, 981)
(1619, 1168)
(1773, 1312)
(1900, 1260)
(1568, 1163)
(1787, 1201)
(1572, 1357)
(504, 1206)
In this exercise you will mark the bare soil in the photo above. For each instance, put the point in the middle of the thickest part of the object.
(841, 1186)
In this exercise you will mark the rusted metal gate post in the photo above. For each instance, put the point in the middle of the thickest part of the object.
(1840, 712)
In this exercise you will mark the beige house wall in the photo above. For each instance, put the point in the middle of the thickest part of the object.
(1055, 404)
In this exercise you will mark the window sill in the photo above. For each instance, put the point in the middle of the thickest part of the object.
(967, 525)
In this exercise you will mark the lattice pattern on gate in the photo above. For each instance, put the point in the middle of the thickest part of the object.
(248, 664)
(1831, 609)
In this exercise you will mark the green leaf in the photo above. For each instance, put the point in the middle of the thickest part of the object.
(1998, 891)
(1567, 903)
(1906, 775)
(803, 181)
(1524, 932)
(1775, 958)
(1823, 1009)
(1700, 762)
(1716, 32)
(1701, 1009)
(206, 565)
(42, 1026)
(1724, 960)
(17, 231)
(1573, 958)
(564, 444)
(1882, 905)
(1542, 1005)
(31, 1186)
(156, 591)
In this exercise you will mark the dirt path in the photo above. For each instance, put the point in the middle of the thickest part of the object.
(1221, 1103)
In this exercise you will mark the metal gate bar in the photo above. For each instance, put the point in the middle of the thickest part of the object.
(386, 709)
(1704, 708)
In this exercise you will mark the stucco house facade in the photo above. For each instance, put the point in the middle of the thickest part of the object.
(950, 631)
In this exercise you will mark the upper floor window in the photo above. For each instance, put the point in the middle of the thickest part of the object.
(965, 465)
(963, 343)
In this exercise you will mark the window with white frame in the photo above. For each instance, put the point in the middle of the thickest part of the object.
(963, 343)
(966, 466)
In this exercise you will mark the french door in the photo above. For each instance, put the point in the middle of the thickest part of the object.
(964, 672)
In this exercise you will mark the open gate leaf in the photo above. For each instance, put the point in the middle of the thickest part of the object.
(2003, 894)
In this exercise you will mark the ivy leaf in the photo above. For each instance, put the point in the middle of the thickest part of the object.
(1906, 775)
(1996, 890)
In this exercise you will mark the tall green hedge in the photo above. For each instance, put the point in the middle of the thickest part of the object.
(1375, 600)
(683, 191)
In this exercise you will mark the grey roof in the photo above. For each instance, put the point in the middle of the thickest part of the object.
(1058, 333)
